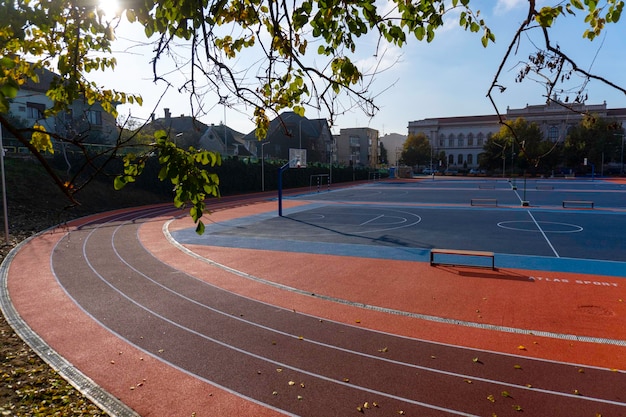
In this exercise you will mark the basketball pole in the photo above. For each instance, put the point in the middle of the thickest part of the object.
(280, 185)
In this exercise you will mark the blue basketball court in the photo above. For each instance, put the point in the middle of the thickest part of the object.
(556, 225)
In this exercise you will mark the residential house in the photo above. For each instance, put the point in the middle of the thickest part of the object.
(291, 131)
(224, 140)
(184, 130)
(88, 122)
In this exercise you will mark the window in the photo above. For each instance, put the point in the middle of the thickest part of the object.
(461, 141)
(451, 143)
(355, 142)
(450, 159)
(35, 110)
(460, 159)
(94, 117)
(553, 133)
(470, 159)
(470, 140)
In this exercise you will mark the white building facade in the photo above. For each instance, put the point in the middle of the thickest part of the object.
(462, 138)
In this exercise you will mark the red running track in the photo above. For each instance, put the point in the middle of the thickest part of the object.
(217, 331)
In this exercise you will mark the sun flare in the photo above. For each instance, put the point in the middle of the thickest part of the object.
(110, 8)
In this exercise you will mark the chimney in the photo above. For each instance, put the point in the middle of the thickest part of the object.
(168, 115)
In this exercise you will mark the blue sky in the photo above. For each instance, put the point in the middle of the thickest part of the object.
(447, 77)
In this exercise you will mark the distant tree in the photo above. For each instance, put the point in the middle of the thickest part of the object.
(416, 150)
(518, 145)
(494, 154)
(383, 154)
(597, 139)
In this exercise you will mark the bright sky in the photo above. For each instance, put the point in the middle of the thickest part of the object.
(448, 77)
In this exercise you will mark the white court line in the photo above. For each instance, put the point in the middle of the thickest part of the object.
(372, 220)
(544, 235)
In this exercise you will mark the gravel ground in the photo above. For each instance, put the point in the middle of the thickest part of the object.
(28, 386)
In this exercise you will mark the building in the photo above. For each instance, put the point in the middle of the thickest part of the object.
(292, 131)
(393, 143)
(460, 139)
(224, 140)
(357, 146)
(457, 139)
(88, 122)
(183, 130)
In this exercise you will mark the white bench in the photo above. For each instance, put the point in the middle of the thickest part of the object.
(454, 256)
(578, 203)
(484, 202)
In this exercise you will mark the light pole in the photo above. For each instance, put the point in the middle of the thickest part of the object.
(300, 133)
(622, 156)
(4, 192)
(398, 153)
(263, 166)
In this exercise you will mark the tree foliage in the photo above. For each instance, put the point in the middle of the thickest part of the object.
(494, 152)
(384, 158)
(307, 48)
(521, 144)
(596, 139)
(416, 150)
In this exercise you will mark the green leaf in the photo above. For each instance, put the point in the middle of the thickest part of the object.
(10, 89)
(420, 32)
(577, 4)
(200, 228)
(5, 106)
(119, 183)
(299, 110)
(6, 62)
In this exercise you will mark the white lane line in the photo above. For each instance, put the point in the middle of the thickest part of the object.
(311, 341)
(544, 235)
(260, 357)
(436, 319)
(365, 389)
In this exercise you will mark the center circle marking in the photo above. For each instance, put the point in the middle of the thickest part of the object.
(546, 227)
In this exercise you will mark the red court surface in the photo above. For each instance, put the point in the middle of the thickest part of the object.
(543, 343)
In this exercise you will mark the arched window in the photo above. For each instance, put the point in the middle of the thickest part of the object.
(461, 141)
(451, 140)
(460, 159)
(442, 140)
(470, 159)
(470, 140)
(450, 159)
